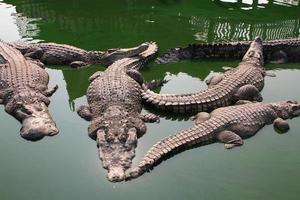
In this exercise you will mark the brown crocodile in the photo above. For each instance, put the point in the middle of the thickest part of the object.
(241, 83)
(62, 54)
(275, 51)
(25, 94)
(115, 105)
(227, 125)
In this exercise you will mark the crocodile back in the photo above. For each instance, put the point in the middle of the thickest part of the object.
(19, 73)
(250, 114)
(115, 87)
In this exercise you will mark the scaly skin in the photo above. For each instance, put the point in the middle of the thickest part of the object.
(24, 92)
(275, 51)
(114, 98)
(227, 125)
(62, 54)
(241, 83)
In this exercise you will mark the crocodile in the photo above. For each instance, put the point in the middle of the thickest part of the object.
(228, 125)
(114, 109)
(275, 51)
(241, 83)
(62, 54)
(24, 93)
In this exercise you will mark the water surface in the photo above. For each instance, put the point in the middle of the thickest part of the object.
(67, 166)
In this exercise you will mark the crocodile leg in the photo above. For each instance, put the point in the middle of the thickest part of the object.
(36, 62)
(281, 125)
(78, 64)
(1, 97)
(149, 117)
(248, 92)
(241, 102)
(50, 92)
(95, 75)
(214, 80)
(225, 68)
(155, 84)
(35, 53)
(85, 113)
(4, 90)
(201, 117)
(135, 75)
(270, 74)
(2, 94)
(230, 139)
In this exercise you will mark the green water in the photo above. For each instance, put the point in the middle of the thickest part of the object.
(67, 166)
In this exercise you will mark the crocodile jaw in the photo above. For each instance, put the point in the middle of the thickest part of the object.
(38, 124)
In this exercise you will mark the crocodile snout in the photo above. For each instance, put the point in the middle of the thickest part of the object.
(35, 128)
(116, 174)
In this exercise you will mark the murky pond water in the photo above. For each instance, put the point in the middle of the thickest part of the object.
(67, 166)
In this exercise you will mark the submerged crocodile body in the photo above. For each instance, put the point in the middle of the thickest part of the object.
(241, 83)
(275, 51)
(62, 54)
(25, 94)
(115, 104)
(227, 125)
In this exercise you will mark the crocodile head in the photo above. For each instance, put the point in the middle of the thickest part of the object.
(111, 55)
(116, 137)
(36, 121)
(255, 52)
(287, 109)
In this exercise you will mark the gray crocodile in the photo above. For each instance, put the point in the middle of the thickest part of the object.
(62, 54)
(25, 94)
(226, 125)
(241, 83)
(275, 51)
(115, 104)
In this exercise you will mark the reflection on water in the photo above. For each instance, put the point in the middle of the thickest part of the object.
(222, 29)
(27, 27)
(126, 23)
(80, 21)
(14, 25)
(254, 4)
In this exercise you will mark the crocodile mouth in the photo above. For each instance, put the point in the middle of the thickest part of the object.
(116, 174)
(116, 152)
(296, 111)
(35, 128)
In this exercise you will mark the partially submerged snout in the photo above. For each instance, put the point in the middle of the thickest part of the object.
(112, 55)
(116, 174)
(35, 128)
(287, 109)
(294, 109)
(37, 122)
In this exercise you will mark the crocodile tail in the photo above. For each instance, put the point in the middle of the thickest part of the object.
(188, 103)
(199, 134)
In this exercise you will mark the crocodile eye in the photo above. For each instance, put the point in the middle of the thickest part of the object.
(38, 108)
(123, 138)
(251, 53)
